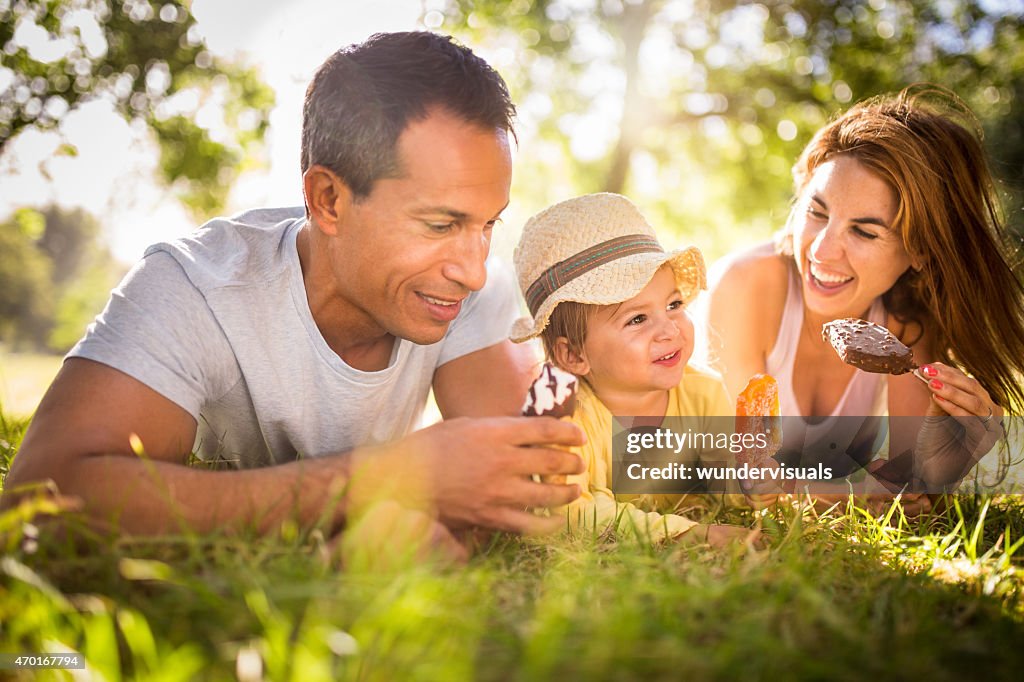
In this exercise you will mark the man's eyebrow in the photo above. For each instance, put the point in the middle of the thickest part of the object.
(451, 212)
(442, 210)
(869, 220)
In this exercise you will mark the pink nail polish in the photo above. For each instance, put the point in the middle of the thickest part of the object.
(935, 383)
(930, 371)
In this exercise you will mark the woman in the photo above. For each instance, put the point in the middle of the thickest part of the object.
(895, 220)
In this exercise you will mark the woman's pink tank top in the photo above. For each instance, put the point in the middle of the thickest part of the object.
(854, 431)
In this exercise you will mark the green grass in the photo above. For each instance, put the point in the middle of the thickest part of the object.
(837, 596)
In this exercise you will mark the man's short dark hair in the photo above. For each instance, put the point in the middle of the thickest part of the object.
(364, 96)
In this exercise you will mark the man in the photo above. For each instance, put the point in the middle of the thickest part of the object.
(299, 345)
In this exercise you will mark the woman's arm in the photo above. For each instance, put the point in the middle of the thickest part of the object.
(939, 452)
(746, 298)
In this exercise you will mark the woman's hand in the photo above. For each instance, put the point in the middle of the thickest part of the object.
(962, 423)
(956, 394)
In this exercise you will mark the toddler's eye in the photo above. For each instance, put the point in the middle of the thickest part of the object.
(675, 305)
(636, 319)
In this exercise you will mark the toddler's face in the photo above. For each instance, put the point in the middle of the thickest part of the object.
(644, 343)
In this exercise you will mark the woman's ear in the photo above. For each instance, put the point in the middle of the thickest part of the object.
(568, 359)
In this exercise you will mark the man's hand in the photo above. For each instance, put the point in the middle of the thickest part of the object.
(475, 472)
(388, 538)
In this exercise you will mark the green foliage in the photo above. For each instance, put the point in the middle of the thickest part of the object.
(26, 288)
(714, 99)
(147, 60)
(11, 432)
(55, 277)
(80, 303)
(188, 153)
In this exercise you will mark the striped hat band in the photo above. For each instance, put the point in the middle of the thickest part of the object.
(583, 262)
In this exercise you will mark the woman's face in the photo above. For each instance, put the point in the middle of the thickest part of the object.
(846, 247)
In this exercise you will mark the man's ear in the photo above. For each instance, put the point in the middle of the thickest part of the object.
(327, 196)
(568, 359)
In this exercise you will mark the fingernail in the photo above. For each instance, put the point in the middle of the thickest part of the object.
(930, 371)
(935, 383)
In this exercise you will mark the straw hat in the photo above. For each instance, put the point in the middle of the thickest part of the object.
(596, 249)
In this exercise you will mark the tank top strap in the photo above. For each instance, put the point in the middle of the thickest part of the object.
(782, 357)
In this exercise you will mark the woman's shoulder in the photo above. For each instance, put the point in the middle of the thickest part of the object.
(755, 266)
(748, 290)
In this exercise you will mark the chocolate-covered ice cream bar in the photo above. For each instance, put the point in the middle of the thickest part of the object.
(552, 394)
(868, 346)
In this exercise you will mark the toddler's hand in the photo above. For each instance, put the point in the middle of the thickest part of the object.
(720, 535)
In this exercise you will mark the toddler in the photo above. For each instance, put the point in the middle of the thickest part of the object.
(610, 307)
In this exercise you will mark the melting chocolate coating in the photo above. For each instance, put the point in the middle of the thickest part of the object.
(552, 394)
(868, 346)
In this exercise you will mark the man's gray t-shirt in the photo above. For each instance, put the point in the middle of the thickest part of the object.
(218, 323)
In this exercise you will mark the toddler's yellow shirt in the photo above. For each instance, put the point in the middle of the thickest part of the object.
(699, 394)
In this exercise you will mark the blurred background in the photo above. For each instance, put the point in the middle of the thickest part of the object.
(126, 122)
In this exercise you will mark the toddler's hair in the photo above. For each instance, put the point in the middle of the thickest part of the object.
(568, 319)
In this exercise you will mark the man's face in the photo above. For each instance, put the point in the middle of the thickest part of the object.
(409, 253)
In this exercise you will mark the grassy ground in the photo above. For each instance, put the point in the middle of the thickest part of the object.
(24, 377)
(840, 596)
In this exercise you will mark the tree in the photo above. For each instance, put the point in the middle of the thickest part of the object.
(144, 57)
(26, 289)
(55, 275)
(714, 99)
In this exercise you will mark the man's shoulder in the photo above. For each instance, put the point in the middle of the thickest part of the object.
(246, 248)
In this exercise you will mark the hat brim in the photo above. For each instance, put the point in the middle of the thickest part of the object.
(618, 281)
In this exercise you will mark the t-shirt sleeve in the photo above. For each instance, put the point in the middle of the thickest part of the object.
(158, 329)
(487, 317)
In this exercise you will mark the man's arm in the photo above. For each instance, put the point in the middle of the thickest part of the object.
(80, 439)
(491, 381)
